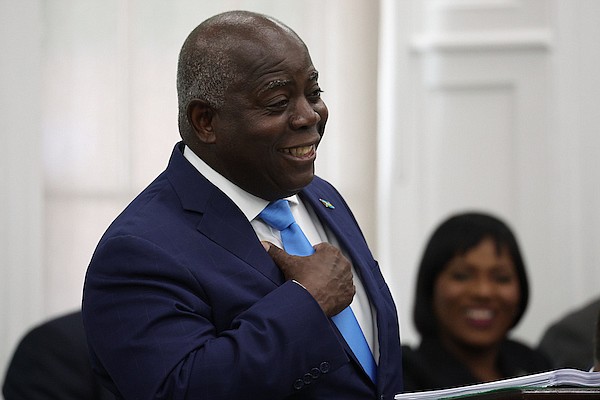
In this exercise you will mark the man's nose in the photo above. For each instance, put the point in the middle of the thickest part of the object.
(304, 115)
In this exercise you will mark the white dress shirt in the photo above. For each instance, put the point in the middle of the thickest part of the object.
(305, 217)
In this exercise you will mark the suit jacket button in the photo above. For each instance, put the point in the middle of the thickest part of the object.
(307, 379)
(299, 384)
(324, 367)
(315, 373)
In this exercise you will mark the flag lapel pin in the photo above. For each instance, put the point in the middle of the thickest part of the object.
(326, 203)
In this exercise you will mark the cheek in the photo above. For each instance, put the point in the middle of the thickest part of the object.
(323, 112)
(446, 291)
(445, 296)
(511, 296)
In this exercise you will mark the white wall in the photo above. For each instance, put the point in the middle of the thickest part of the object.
(21, 182)
(434, 106)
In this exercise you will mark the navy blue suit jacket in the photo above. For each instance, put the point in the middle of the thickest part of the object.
(181, 301)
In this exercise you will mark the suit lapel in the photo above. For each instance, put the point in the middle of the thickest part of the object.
(220, 220)
(340, 222)
(225, 224)
(343, 226)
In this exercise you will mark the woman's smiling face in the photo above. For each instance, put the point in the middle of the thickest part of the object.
(476, 297)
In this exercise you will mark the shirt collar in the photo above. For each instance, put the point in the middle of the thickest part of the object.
(249, 204)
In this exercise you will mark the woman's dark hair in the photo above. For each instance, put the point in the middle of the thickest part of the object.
(455, 236)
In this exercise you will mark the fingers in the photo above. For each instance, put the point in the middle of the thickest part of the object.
(275, 252)
(326, 274)
(266, 245)
(289, 265)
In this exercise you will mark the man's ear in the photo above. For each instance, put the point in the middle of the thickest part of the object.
(200, 115)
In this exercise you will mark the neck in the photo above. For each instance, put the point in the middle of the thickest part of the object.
(482, 362)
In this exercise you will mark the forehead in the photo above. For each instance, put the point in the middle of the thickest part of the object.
(270, 54)
(482, 258)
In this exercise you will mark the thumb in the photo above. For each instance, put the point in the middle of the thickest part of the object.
(276, 253)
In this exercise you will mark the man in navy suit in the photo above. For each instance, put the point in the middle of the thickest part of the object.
(189, 294)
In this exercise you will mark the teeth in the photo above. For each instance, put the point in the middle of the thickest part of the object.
(480, 314)
(299, 151)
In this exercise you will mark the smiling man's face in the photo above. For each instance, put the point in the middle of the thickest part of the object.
(273, 118)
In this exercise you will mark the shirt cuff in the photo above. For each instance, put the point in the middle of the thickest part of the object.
(295, 281)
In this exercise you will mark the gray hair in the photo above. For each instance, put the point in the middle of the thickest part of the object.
(204, 71)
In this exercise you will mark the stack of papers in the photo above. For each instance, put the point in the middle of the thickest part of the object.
(558, 378)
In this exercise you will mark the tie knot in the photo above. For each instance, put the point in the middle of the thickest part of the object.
(278, 214)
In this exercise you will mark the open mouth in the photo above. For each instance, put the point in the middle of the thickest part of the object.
(481, 315)
(300, 151)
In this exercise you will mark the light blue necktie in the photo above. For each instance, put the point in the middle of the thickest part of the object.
(279, 216)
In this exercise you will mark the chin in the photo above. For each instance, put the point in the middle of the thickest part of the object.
(298, 183)
(285, 189)
(481, 344)
(304, 183)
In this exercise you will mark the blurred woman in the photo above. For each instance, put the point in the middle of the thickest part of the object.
(471, 291)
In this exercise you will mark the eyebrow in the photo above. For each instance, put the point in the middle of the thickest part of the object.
(313, 76)
(275, 83)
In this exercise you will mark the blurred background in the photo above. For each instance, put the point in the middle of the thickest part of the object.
(436, 106)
